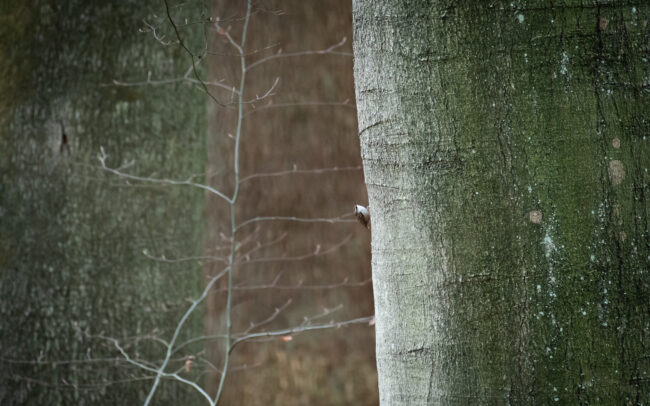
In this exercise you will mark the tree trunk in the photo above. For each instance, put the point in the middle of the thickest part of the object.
(505, 154)
(71, 236)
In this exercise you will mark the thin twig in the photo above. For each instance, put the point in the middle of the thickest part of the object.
(160, 372)
(269, 319)
(329, 50)
(260, 246)
(102, 159)
(316, 253)
(295, 330)
(300, 104)
(194, 68)
(297, 171)
(266, 94)
(300, 286)
(152, 29)
(332, 220)
(201, 258)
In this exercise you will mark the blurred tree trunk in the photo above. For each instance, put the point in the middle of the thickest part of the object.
(505, 149)
(280, 133)
(71, 237)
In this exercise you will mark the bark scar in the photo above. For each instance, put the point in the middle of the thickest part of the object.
(370, 126)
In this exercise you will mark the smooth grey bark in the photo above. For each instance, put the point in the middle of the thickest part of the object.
(506, 154)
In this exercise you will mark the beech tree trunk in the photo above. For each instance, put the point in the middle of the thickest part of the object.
(506, 158)
(72, 235)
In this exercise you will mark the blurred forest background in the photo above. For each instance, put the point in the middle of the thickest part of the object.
(81, 250)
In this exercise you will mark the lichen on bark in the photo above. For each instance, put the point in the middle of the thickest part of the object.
(510, 244)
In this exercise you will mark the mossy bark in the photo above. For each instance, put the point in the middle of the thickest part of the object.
(71, 235)
(505, 148)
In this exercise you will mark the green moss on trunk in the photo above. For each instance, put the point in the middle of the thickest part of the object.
(522, 149)
(72, 237)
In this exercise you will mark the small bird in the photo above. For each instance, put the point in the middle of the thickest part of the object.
(363, 215)
(188, 363)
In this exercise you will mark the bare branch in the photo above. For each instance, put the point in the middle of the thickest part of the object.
(60, 362)
(160, 372)
(152, 29)
(326, 312)
(168, 368)
(274, 285)
(198, 339)
(297, 171)
(235, 368)
(316, 253)
(80, 387)
(192, 56)
(266, 94)
(185, 78)
(301, 104)
(296, 330)
(248, 53)
(126, 355)
(340, 219)
(260, 246)
(102, 159)
(269, 319)
(279, 54)
(203, 258)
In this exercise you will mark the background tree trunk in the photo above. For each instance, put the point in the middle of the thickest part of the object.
(505, 149)
(71, 236)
